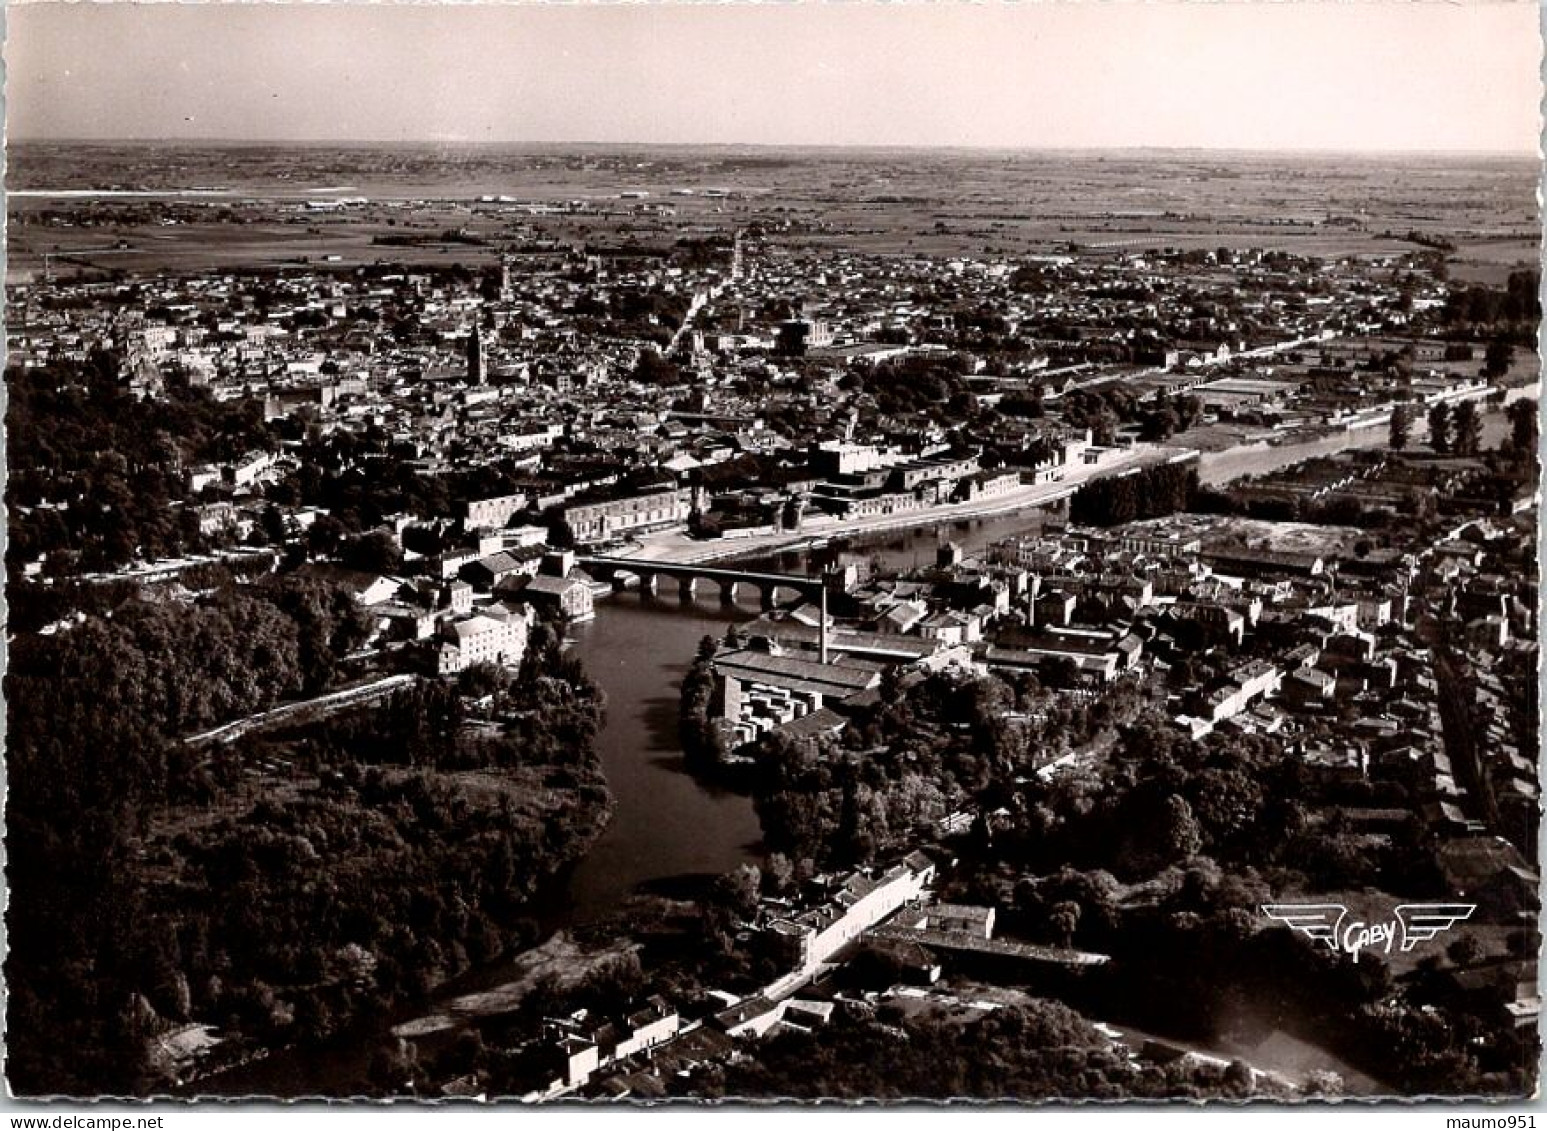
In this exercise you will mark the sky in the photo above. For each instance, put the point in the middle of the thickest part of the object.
(1376, 75)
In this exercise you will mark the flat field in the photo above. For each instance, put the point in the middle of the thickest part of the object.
(247, 205)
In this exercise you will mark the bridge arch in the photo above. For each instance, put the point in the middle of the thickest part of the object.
(772, 589)
(780, 593)
(625, 579)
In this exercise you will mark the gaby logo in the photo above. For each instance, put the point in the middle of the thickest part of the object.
(1411, 924)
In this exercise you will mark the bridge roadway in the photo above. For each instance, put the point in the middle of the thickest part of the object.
(648, 573)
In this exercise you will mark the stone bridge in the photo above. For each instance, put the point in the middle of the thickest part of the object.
(772, 588)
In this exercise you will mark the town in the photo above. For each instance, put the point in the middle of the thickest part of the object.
(1254, 621)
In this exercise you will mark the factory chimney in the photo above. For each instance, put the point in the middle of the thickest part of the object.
(822, 630)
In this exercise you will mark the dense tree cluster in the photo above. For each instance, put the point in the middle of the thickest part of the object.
(1511, 313)
(1169, 415)
(1150, 492)
(1101, 410)
(291, 917)
(278, 886)
(93, 715)
(640, 315)
(703, 741)
(890, 777)
(925, 749)
(1169, 799)
(549, 715)
(1162, 863)
(175, 667)
(358, 482)
(916, 384)
(98, 476)
(652, 369)
(1037, 1051)
(1401, 427)
(1030, 404)
(1455, 429)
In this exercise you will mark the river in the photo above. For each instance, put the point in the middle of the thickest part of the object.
(666, 824)
(1245, 460)
(910, 547)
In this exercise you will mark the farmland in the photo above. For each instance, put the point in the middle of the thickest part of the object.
(937, 203)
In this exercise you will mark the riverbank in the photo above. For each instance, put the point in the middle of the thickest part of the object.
(1259, 456)
(677, 548)
(1244, 461)
(335, 1061)
(559, 959)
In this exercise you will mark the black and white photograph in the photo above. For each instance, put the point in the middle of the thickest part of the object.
(658, 553)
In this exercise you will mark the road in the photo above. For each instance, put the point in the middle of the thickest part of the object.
(678, 548)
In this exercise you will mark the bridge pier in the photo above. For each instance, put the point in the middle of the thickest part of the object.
(766, 597)
(728, 592)
(687, 589)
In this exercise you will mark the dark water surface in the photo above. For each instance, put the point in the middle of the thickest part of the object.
(665, 825)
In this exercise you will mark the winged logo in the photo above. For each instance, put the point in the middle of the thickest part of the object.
(1412, 924)
(1422, 921)
(1319, 921)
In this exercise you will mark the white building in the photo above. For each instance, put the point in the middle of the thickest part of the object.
(859, 903)
(493, 636)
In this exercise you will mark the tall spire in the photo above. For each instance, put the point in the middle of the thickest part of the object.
(506, 290)
(477, 364)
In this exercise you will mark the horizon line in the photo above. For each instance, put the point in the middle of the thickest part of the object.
(1533, 154)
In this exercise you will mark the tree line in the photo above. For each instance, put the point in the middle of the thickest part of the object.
(1039, 1050)
(1150, 492)
(283, 886)
(98, 477)
(93, 718)
(1511, 312)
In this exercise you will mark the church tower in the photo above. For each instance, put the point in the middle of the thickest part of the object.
(738, 265)
(477, 362)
